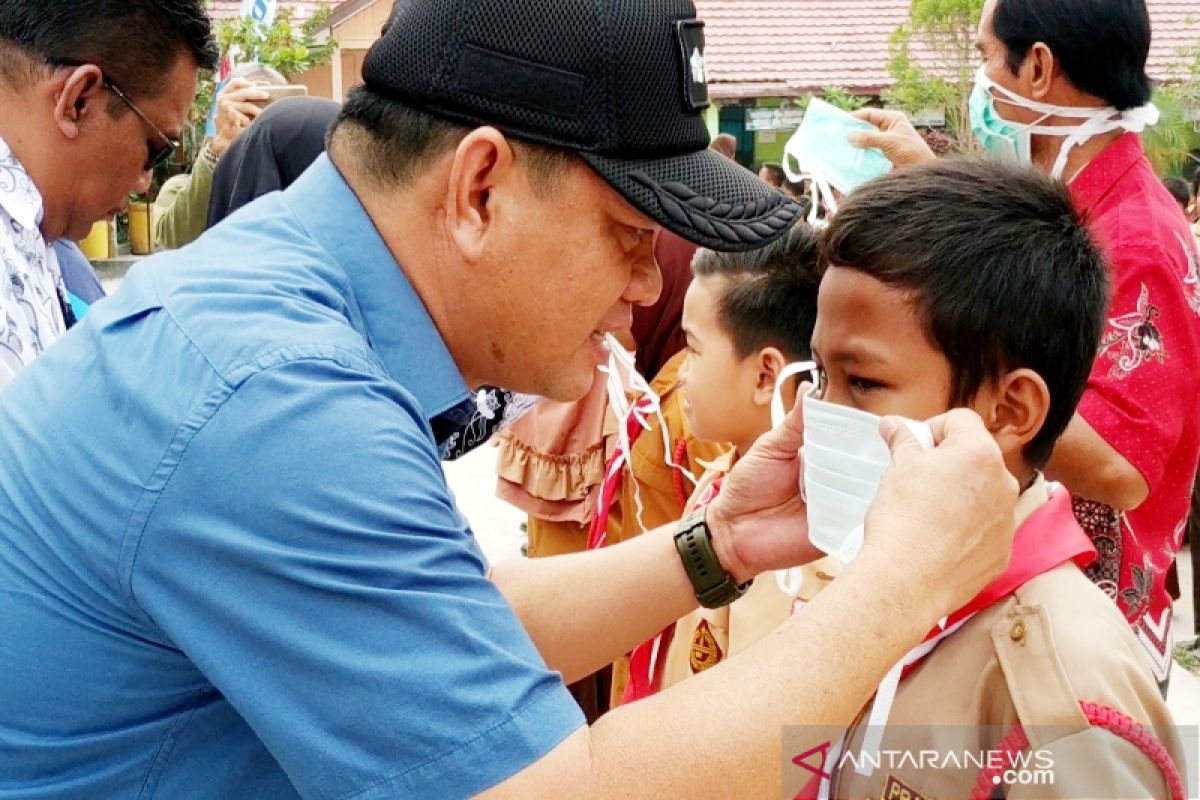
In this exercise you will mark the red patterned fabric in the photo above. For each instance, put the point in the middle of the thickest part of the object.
(1143, 396)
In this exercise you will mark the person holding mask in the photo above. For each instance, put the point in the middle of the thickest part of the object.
(1129, 456)
(262, 566)
(181, 208)
(94, 94)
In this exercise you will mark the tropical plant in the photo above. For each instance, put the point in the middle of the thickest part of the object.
(290, 49)
(1171, 142)
(942, 33)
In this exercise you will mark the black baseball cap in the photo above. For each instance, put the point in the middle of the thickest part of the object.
(623, 83)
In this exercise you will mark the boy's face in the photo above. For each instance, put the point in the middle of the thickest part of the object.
(873, 351)
(719, 386)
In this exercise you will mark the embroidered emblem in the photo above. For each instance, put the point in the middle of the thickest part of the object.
(1136, 597)
(896, 789)
(706, 652)
(1139, 339)
(693, 67)
(697, 63)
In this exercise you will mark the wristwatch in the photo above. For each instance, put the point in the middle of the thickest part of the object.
(715, 588)
(209, 155)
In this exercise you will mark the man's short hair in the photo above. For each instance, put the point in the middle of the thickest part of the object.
(726, 144)
(135, 42)
(771, 297)
(392, 142)
(1102, 45)
(1180, 190)
(1000, 269)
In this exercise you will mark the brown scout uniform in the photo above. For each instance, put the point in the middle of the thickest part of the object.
(705, 637)
(1027, 660)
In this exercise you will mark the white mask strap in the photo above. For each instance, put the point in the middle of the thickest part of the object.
(622, 363)
(778, 412)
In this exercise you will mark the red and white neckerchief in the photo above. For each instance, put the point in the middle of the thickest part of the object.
(635, 424)
(643, 660)
(1049, 538)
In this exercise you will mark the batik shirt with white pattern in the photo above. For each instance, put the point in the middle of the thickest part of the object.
(30, 313)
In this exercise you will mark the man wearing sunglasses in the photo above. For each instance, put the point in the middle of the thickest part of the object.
(94, 94)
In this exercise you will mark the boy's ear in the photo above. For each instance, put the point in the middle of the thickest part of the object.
(770, 363)
(1019, 407)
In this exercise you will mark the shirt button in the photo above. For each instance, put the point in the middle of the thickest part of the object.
(1017, 634)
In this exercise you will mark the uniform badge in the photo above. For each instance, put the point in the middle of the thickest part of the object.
(690, 33)
(895, 789)
(705, 650)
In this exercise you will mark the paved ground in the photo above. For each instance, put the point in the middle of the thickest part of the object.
(497, 524)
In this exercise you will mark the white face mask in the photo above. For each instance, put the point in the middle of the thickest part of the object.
(844, 458)
(1095, 121)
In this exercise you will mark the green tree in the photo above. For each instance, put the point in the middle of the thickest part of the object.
(932, 59)
(288, 48)
(291, 49)
(1170, 143)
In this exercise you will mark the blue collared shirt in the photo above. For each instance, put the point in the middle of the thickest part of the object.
(230, 565)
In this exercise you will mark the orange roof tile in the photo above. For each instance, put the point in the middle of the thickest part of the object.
(764, 48)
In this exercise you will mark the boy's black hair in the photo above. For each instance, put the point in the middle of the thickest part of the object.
(771, 297)
(1102, 44)
(1000, 268)
(135, 42)
(1180, 190)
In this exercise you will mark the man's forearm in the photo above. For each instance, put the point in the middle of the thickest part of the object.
(1090, 467)
(584, 610)
(718, 734)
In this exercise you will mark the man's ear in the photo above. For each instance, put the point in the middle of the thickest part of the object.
(77, 93)
(770, 363)
(1019, 406)
(1039, 72)
(481, 175)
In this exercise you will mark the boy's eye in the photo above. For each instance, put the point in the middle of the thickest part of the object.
(864, 384)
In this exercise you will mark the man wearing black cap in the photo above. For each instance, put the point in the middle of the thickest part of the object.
(261, 586)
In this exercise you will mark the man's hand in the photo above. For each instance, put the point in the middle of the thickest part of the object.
(238, 104)
(897, 138)
(944, 518)
(758, 521)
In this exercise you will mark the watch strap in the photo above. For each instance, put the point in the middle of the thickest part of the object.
(715, 588)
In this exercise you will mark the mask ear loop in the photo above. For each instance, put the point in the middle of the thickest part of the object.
(789, 580)
(819, 189)
(621, 361)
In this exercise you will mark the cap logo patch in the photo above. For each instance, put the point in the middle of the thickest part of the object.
(693, 67)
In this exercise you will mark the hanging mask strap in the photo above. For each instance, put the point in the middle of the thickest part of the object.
(789, 580)
(778, 412)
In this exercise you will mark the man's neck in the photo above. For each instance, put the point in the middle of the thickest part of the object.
(1047, 149)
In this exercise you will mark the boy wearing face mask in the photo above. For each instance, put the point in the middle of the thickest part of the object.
(747, 316)
(1063, 85)
(973, 284)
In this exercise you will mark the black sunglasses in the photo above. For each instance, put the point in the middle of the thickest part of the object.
(156, 155)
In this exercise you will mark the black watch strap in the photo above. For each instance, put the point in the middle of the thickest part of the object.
(715, 588)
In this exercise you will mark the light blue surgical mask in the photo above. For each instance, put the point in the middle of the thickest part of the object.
(1003, 139)
(998, 137)
(821, 150)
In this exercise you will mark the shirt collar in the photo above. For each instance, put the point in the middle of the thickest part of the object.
(19, 197)
(1047, 536)
(397, 326)
(1103, 172)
